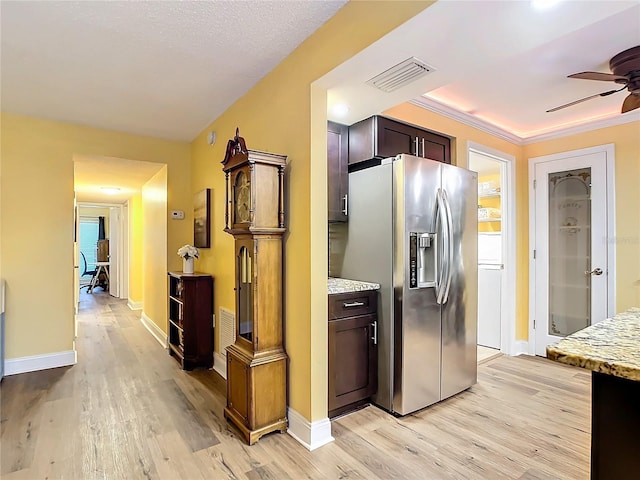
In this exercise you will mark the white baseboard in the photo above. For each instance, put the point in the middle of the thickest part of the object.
(310, 435)
(33, 363)
(134, 305)
(520, 347)
(220, 364)
(154, 330)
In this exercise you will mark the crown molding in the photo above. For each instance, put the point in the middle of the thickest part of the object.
(585, 127)
(462, 117)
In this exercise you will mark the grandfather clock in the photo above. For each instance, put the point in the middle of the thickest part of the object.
(256, 362)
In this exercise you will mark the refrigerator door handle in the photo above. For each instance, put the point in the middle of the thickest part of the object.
(441, 215)
(449, 246)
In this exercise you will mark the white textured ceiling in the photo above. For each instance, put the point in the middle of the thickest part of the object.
(163, 69)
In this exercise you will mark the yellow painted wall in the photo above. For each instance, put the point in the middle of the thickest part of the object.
(626, 139)
(275, 116)
(154, 255)
(37, 177)
(135, 248)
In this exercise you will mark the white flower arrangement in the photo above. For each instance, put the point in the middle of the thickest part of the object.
(188, 251)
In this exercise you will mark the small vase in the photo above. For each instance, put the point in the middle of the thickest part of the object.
(187, 265)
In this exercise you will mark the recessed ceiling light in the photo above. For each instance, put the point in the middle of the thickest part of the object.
(110, 190)
(340, 109)
(543, 4)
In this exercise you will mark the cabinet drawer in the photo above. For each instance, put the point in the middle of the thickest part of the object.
(352, 304)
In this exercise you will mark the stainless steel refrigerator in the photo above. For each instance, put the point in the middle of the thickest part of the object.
(413, 228)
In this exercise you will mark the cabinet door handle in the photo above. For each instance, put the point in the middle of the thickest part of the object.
(424, 152)
(375, 333)
(345, 203)
(415, 142)
(352, 304)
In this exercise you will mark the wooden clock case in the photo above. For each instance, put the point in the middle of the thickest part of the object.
(256, 362)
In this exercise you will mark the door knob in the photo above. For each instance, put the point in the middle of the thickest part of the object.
(595, 271)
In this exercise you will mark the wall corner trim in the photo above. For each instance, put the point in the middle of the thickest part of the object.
(220, 364)
(154, 330)
(520, 347)
(311, 435)
(134, 305)
(33, 363)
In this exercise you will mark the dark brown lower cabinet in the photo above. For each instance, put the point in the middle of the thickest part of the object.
(353, 353)
(615, 422)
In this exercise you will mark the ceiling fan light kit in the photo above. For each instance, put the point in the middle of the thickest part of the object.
(625, 68)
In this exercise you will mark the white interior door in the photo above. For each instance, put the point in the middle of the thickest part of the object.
(114, 251)
(571, 240)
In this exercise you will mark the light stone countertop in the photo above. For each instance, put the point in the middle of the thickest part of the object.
(611, 346)
(342, 285)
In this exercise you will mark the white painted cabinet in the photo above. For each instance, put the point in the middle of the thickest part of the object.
(489, 301)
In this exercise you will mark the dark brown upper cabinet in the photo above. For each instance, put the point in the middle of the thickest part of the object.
(380, 137)
(337, 180)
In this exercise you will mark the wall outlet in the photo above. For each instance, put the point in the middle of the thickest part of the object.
(177, 214)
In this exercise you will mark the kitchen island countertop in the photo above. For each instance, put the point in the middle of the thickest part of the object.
(610, 347)
(611, 350)
(343, 285)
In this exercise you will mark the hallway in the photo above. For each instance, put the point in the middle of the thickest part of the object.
(127, 411)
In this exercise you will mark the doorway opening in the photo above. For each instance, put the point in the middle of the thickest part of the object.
(88, 241)
(496, 250)
(101, 249)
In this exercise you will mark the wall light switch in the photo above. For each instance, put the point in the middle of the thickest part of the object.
(177, 214)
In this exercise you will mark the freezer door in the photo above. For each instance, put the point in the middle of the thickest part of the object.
(416, 312)
(459, 311)
(368, 256)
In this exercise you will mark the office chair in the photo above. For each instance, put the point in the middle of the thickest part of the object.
(86, 272)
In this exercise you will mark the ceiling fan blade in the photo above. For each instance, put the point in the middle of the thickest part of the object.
(630, 103)
(603, 94)
(609, 77)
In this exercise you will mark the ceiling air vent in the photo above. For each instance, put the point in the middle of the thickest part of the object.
(400, 75)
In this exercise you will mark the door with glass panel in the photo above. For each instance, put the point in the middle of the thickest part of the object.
(570, 246)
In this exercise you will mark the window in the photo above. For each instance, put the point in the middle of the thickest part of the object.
(89, 240)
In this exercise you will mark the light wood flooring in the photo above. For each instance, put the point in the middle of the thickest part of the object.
(126, 411)
(486, 353)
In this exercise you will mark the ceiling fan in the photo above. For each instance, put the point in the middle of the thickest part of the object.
(626, 72)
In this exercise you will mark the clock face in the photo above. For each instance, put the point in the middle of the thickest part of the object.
(243, 198)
